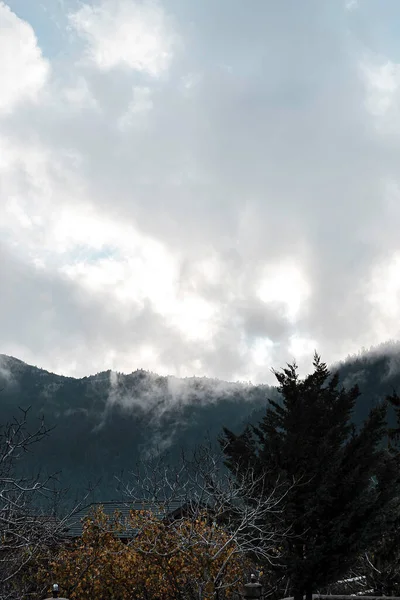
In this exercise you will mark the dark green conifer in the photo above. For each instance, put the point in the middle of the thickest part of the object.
(345, 477)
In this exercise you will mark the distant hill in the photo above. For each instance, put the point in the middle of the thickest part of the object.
(106, 422)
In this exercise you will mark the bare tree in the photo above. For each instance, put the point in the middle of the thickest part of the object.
(380, 566)
(376, 571)
(30, 519)
(201, 488)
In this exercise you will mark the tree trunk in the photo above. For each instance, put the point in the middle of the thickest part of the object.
(308, 592)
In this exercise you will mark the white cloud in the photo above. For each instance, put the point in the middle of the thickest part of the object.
(286, 284)
(262, 352)
(351, 5)
(302, 347)
(78, 96)
(131, 33)
(31, 178)
(23, 70)
(383, 82)
(138, 109)
(217, 221)
(385, 296)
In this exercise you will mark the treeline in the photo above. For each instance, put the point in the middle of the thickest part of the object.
(305, 497)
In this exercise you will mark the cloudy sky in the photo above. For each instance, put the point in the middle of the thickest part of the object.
(198, 188)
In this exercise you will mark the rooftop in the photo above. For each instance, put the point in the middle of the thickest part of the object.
(160, 510)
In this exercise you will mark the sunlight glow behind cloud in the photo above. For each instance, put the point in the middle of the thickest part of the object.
(196, 188)
(285, 283)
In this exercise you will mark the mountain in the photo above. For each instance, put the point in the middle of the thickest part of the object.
(104, 423)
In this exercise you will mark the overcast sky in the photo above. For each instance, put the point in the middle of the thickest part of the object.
(198, 187)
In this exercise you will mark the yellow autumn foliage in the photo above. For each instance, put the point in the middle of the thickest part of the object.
(160, 560)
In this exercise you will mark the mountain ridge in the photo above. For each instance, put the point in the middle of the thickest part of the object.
(105, 423)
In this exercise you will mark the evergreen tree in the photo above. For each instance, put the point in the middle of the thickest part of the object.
(394, 433)
(381, 564)
(345, 477)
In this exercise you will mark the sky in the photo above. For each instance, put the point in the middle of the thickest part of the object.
(198, 188)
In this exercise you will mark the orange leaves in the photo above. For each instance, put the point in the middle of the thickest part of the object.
(168, 560)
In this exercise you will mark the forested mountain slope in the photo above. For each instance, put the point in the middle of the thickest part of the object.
(104, 423)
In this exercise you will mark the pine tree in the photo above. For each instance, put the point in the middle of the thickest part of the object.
(344, 477)
(394, 433)
(381, 564)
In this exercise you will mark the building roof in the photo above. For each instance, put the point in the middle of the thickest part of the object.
(75, 526)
